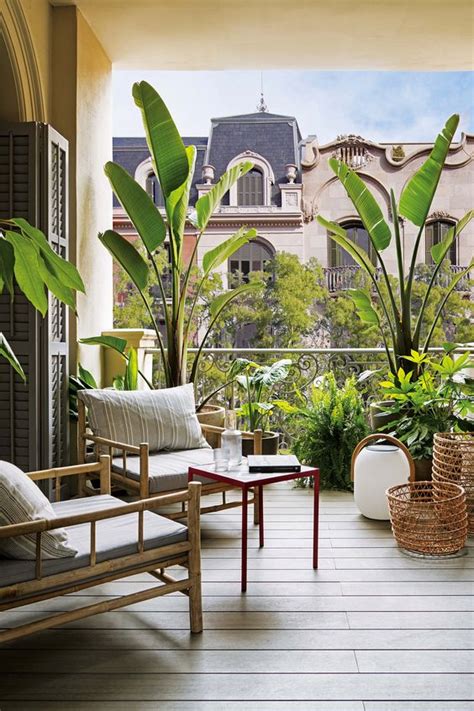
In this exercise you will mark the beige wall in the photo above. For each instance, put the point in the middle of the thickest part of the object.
(64, 78)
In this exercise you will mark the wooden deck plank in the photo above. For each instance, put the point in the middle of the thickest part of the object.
(370, 630)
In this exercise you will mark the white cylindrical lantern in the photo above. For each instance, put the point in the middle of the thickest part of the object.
(376, 466)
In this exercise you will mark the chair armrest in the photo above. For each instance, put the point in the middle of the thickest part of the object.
(112, 444)
(101, 468)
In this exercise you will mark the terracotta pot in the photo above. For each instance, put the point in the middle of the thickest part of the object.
(270, 443)
(212, 415)
(423, 469)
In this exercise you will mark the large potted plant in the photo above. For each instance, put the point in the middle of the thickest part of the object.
(433, 397)
(390, 307)
(255, 384)
(179, 298)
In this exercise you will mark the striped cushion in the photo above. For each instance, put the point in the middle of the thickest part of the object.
(20, 501)
(166, 419)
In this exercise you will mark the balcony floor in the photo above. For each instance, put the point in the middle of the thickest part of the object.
(371, 630)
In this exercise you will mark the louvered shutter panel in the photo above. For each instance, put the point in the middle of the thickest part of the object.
(33, 417)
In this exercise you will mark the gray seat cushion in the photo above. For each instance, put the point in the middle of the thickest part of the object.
(115, 537)
(167, 471)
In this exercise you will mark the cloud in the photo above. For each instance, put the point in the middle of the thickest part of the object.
(381, 106)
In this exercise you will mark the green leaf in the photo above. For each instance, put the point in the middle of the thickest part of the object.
(418, 194)
(166, 147)
(7, 353)
(131, 371)
(27, 270)
(138, 205)
(206, 204)
(178, 202)
(365, 204)
(87, 377)
(339, 235)
(117, 344)
(127, 256)
(216, 256)
(54, 284)
(363, 304)
(286, 407)
(66, 271)
(440, 250)
(269, 375)
(223, 299)
(7, 263)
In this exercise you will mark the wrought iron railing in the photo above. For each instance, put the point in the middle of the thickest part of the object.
(346, 277)
(307, 365)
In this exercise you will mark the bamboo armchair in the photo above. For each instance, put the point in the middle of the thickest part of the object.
(148, 557)
(141, 487)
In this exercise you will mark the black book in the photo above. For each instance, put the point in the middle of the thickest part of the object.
(267, 463)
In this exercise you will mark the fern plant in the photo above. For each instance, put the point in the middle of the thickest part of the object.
(330, 425)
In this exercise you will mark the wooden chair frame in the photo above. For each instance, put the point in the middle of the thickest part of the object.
(141, 488)
(153, 561)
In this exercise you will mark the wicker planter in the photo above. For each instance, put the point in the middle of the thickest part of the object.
(429, 520)
(453, 461)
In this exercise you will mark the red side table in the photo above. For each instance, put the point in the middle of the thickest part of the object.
(241, 478)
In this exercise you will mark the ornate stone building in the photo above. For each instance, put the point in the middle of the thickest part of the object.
(383, 166)
(291, 183)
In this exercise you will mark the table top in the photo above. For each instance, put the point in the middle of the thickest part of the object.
(240, 476)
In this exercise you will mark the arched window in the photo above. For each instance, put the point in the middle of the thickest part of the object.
(434, 234)
(153, 189)
(250, 188)
(338, 257)
(252, 257)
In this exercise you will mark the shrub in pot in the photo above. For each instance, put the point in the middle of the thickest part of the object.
(328, 427)
(433, 397)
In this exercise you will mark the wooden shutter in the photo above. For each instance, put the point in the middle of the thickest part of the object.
(34, 416)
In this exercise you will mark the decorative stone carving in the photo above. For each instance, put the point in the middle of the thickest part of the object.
(439, 215)
(207, 173)
(310, 155)
(291, 172)
(352, 150)
(292, 199)
(397, 153)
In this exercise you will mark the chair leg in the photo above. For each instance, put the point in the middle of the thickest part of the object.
(194, 534)
(256, 508)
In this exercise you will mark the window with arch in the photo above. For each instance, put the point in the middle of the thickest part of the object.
(338, 257)
(250, 189)
(252, 257)
(153, 189)
(434, 234)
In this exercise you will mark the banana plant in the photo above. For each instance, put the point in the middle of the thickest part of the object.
(27, 258)
(173, 164)
(392, 314)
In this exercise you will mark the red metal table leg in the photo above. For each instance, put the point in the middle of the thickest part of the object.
(244, 540)
(315, 520)
(260, 517)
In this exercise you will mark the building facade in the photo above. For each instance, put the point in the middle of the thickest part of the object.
(291, 183)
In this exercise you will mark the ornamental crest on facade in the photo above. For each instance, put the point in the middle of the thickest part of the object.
(352, 150)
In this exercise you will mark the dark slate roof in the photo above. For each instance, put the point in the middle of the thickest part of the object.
(130, 152)
(272, 136)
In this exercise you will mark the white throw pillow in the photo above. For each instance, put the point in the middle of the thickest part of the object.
(166, 419)
(21, 501)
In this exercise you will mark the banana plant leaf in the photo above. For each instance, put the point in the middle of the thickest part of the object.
(363, 304)
(365, 204)
(418, 194)
(213, 258)
(127, 256)
(440, 250)
(206, 204)
(339, 235)
(131, 371)
(7, 353)
(177, 204)
(138, 205)
(117, 344)
(166, 146)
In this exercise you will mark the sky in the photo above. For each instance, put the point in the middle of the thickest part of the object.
(380, 106)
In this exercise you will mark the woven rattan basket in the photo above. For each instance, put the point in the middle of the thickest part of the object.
(428, 520)
(453, 460)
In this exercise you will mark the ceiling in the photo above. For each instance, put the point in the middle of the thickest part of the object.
(263, 34)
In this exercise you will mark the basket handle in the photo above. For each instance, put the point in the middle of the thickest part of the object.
(389, 438)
